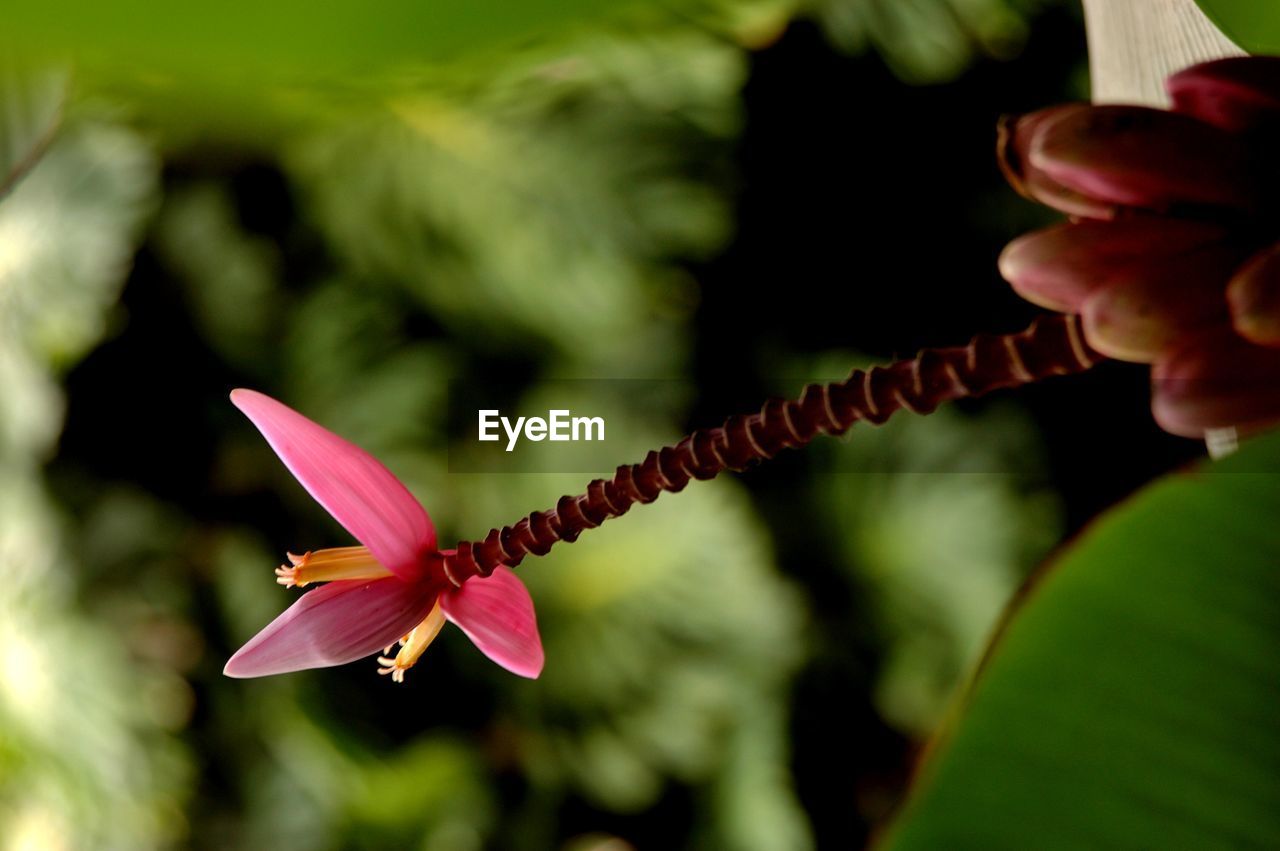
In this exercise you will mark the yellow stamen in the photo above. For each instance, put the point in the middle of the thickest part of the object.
(327, 565)
(413, 646)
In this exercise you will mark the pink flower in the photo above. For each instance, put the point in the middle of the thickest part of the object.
(394, 588)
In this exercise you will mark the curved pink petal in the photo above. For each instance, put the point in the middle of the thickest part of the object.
(496, 613)
(351, 484)
(336, 623)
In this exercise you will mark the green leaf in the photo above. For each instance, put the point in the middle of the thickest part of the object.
(1132, 699)
(1253, 25)
(284, 37)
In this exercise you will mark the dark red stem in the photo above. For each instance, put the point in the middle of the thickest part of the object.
(1053, 345)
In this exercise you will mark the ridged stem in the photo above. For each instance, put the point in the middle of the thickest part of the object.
(1052, 345)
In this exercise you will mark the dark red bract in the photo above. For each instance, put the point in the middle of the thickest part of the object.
(1172, 253)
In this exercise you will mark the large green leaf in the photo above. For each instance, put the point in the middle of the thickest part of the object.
(1253, 25)
(1132, 700)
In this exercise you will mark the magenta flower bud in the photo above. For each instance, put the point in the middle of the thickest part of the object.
(1146, 310)
(1238, 94)
(1060, 266)
(1254, 298)
(1014, 138)
(1216, 380)
(1133, 156)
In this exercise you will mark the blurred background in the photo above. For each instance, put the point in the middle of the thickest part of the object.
(738, 197)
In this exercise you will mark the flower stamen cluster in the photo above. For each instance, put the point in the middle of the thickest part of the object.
(393, 587)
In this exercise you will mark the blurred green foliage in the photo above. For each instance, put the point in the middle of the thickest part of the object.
(927, 41)
(939, 518)
(33, 110)
(588, 170)
(87, 748)
(532, 211)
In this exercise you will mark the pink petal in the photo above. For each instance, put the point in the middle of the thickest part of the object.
(496, 613)
(351, 484)
(336, 623)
